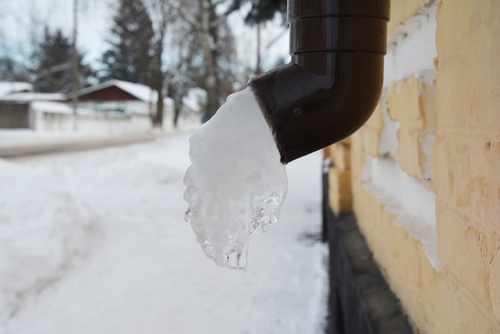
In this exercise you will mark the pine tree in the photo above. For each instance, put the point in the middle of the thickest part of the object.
(11, 70)
(53, 67)
(261, 11)
(131, 53)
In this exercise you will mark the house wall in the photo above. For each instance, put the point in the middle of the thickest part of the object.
(125, 106)
(109, 123)
(14, 115)
(423, 175)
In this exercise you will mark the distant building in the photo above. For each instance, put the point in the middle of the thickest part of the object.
(114, 106)
(19, 104)
(136, 99)
(9, 87)
(121, 96)
(27, 97)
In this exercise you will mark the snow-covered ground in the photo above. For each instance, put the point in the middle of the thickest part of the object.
(30, 135)
(95, 242)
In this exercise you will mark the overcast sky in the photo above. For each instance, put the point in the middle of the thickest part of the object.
(20, 20)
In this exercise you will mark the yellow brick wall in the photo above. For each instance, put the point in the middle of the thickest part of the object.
(372, 131)
(339, 176)
(467, 155)
(462, 110)
(412, 102)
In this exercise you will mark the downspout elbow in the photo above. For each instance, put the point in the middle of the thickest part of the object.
(334, 81)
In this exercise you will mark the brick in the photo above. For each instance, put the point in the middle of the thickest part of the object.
(340, 203)
(457, 311)
(371, 141)
(424, 292)
(413, 102)
(341, 157)
(326, 151)
(463, 251)
(372, 132)
(404, 102)
(409, 152)
(428, 104)
(368, 210)
(426, 148)
(494, 283)
(339, 180)
(346, 141)
(429, 278)
(356, 156)
(393, 102)
(376, 121)
(340, 191)
(468, 43)
(467, 160)
(467, 178)
(401, 258)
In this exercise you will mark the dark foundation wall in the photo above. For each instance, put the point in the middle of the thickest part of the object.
(360, 300)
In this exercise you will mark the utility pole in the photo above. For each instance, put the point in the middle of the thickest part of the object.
(75, 67)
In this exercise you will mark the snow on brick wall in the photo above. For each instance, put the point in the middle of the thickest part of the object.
(400, 176)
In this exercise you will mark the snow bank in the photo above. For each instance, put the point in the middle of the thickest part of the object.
(43, 230)
(31, 135)
(144, 272)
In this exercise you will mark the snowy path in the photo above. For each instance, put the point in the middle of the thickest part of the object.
(95, 242)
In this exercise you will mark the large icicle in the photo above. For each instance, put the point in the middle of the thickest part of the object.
(236, 182)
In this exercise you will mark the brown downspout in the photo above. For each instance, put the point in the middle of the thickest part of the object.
(334, 81)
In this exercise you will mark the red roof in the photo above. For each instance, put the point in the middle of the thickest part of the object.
(106, 94)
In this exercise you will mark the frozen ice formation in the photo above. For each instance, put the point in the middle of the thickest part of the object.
(236, 182)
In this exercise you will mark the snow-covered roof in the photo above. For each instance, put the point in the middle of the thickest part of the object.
(51, 107)
(195, 98)
(168, 102)
(30, 96)
(7, 87)
(141, 92)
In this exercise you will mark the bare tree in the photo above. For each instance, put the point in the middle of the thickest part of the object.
(183, 72)
(258, 67)
(161, 16)
(207, 11)
(216, 46)
(13, 63)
